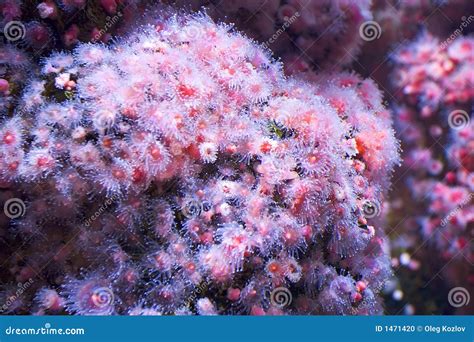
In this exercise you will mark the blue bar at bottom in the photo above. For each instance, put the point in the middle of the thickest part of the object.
(237, 329)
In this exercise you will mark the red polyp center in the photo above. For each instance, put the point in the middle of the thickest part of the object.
(292, 268)
(265, 147)
(290, 237)
(456, 196)
(307, 231)
(462, 242)
(130, 277)
(312, 159)
(273, 267)
(185, 90)
(347, 83)
(119, 174)
(178, 247)
(138, 175)
(179, 121)
(356, 296)
(9, 138)
(167, 295)
(466, 46)
(256, 88)
(155, 153)
(338, 105)
(130, 112)
(107, 142)
(159, 260)
(42, 161)
(13, 166)
(231, 148)
(237, 240)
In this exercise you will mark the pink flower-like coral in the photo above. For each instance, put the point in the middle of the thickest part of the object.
(214, 179)
(307, 34)
(435, 93)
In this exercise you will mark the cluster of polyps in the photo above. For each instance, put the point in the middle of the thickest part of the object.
(39, 25)
(449, 192)
(33, 31)
(435, 121)
(307, 34)
(213, 178)
(434, 75)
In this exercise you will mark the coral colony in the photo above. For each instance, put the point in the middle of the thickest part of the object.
(67, 20)
(34, 32)
(307, 34)
(178, 171)
(437, 91)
